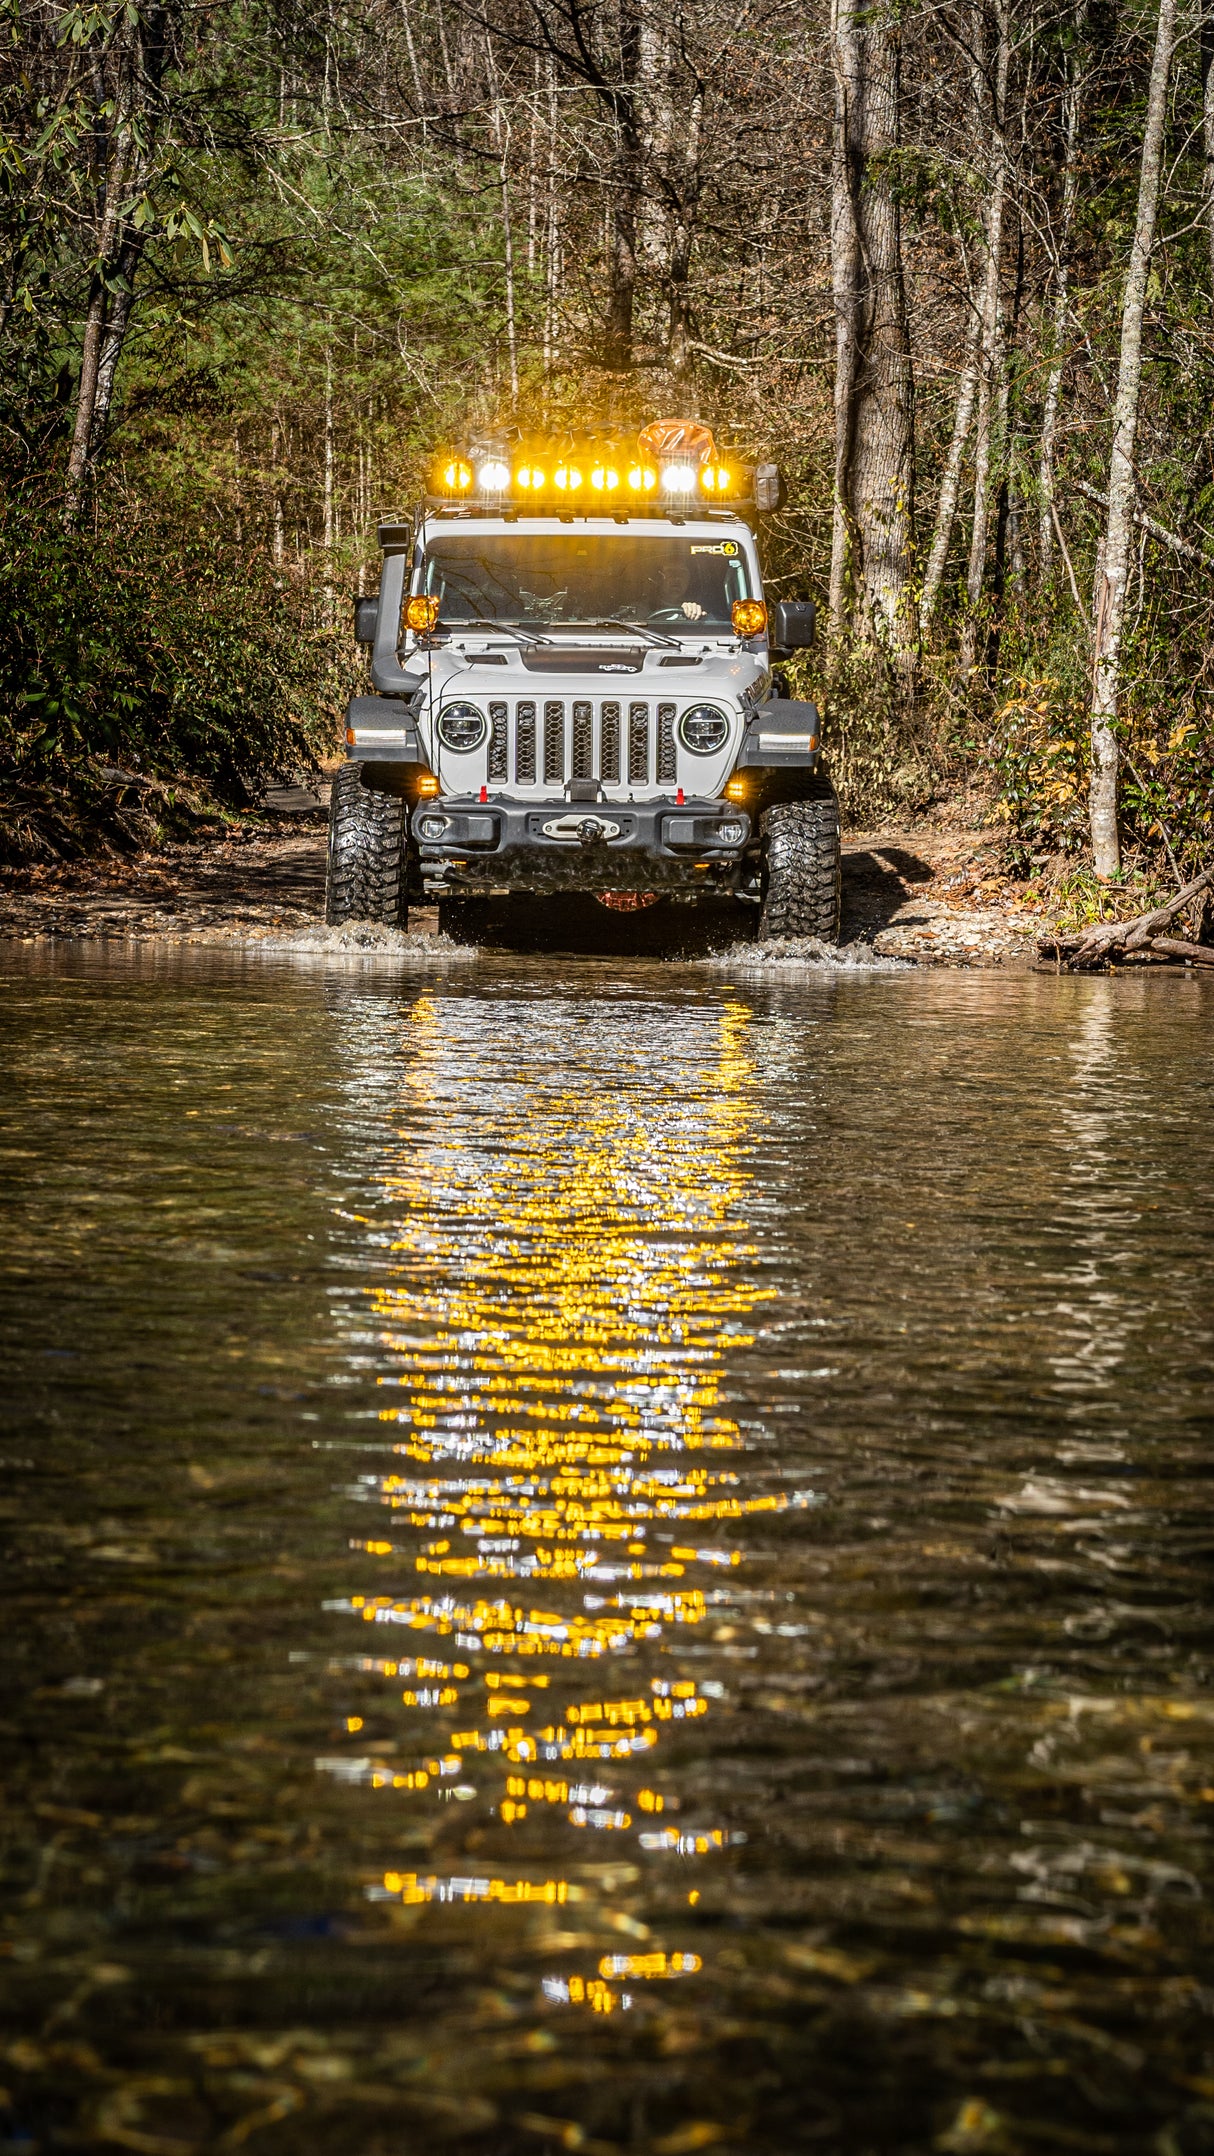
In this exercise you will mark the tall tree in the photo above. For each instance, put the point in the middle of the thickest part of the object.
(871, 556)
(1110, 588)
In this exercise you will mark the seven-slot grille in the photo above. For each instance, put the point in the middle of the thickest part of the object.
(617, 743)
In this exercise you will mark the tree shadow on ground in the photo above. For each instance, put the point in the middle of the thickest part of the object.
(877, 882)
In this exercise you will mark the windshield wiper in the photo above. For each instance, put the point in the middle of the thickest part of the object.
(637, 628)
(508, 628)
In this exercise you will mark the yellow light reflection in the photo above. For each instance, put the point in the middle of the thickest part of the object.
(565, 1287)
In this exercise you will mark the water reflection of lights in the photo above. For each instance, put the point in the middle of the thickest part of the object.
(566, 1279)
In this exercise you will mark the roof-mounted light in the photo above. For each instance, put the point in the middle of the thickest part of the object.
(716, 479)
(678, 478)
(531, 478)
(642, 479)
(605, 478)
(568, 477)
(494, 476)
(455, 477)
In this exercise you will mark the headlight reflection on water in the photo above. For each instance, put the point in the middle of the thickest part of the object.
(566, 1279)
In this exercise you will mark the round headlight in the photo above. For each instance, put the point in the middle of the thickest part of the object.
(462, 727)
(703, 729)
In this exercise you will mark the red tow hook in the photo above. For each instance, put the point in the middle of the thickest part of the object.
(484, 793)
(678, 799)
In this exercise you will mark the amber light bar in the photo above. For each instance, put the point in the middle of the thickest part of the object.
(671, 463)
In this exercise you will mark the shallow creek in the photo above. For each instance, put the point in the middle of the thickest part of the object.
(611, 1558)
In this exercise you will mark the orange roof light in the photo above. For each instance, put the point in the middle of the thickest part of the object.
(687, 439)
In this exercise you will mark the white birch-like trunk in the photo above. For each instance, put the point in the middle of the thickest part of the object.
(950, 484)
(1207, 122)
(845, 279)
(330, 596)
(990, 339)
(1053, 384)
(94, 336)
(1110, 592)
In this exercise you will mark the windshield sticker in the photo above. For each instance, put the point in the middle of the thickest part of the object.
(727, 546)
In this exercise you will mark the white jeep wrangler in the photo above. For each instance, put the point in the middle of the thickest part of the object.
(571, 660)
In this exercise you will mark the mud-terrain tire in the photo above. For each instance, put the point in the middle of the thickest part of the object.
(802, 870)
(368, 841)
(463, 920)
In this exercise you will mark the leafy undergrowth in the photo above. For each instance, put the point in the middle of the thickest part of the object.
(151, 679)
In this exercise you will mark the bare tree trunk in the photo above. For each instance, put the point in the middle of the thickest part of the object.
(278, 533)
(501, 136)
(118, 321)
(680, 253)
(654, 244)
(846, 173)
(406, 9)
(1111, 582)
(991, 351)
(950, 484)
(874, 396)
(330, 595)
(511, 323)
(94, 336)
(1053, 385)
(621, 258)
(1207, 118)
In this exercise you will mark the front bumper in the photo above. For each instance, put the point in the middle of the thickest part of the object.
(602, 846)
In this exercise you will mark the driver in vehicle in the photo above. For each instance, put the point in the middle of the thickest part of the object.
(670, 591)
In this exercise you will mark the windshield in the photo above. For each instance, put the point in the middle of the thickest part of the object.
(575, 578)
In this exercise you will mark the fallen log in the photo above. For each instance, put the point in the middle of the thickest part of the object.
(1135, 934)
(1198, 954)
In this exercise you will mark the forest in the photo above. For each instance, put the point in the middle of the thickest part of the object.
(950, 262)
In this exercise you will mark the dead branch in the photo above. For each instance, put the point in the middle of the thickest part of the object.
(1097, 944)
(1199, 954)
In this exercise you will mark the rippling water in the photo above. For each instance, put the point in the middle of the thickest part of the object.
(605, 1558)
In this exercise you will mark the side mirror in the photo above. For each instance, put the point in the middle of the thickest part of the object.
(793, 623)
(366, 614)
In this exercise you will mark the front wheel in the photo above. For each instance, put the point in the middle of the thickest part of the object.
(802, 870)
(368, 837)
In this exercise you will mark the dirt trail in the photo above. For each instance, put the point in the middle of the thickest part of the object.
(930, 896)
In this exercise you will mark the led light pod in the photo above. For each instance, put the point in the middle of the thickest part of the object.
(749, 617)
(421, 614)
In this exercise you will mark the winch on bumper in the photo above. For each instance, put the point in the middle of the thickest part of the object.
(470, 845)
